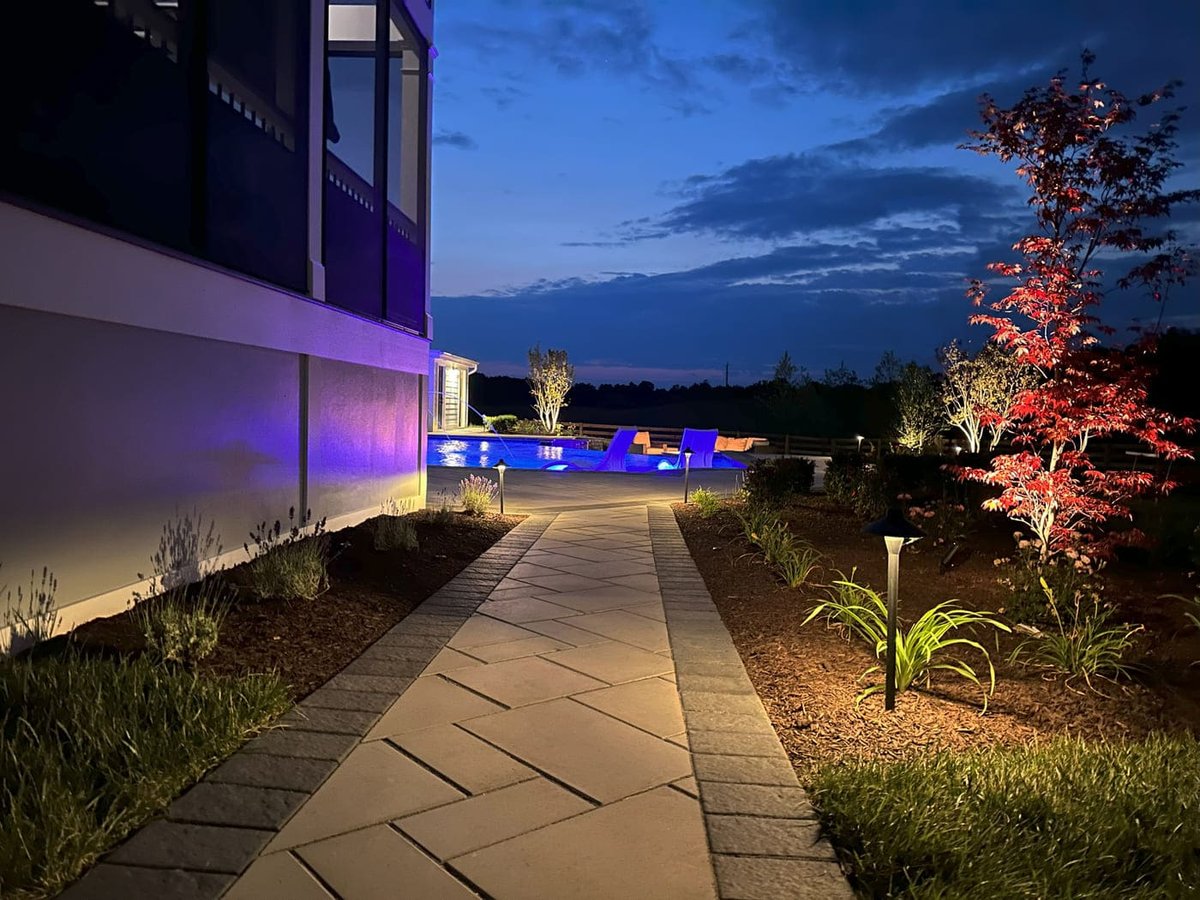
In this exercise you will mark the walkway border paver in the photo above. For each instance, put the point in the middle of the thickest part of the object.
(762, 830)
(213, 832)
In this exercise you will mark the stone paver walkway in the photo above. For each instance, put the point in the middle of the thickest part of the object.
(553, 746)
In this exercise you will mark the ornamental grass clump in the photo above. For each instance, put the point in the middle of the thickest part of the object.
(921, 648)
(1066, 819)
(184, 624)
(394, 531)
(289, 565)
(1082, 643)
(476, 493)
(93, 747)
(797, 565)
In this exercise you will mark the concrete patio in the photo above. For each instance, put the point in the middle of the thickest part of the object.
(567, 718)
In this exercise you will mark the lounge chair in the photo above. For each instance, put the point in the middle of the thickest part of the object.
(702, 443)
(614, 457)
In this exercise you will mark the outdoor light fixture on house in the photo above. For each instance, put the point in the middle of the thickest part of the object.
(896, 531)
(687, 471)
(501, 466)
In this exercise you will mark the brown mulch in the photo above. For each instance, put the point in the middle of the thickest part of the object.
(307, 642)
(809, 678)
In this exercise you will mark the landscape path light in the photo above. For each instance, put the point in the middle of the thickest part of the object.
(859, 438)
(896, 531)
(500, 467)
(687, 471)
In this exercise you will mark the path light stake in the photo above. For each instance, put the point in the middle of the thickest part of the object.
(687, 471)
(500, 467)
(859, 438)
(896, 531)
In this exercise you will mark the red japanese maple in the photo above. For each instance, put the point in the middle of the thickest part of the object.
(1097, 193)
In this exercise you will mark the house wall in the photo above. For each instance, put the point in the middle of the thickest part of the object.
(136, 385)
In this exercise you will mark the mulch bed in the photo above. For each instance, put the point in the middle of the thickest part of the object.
(808, 678)
(307, 642)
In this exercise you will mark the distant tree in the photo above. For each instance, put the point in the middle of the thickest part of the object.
(978, 391)
(919, 410)
(842, 376)
(1095, 191)
(889, 369)
(551, 376)
(785, 370)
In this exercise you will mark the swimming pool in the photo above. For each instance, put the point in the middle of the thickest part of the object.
(542, 453)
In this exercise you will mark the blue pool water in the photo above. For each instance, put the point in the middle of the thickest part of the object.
(524, 453)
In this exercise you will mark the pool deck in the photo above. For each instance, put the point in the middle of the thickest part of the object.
(538, 491)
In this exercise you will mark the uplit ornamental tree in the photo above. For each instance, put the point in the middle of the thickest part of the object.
(1098, 195)
(978, 391)
(918, 408)
(551, 377)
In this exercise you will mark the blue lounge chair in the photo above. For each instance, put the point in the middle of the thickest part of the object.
(614, 457)
(702, 443)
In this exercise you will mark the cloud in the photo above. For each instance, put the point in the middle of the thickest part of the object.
(890, 48)
(577, 38)
(455, 139)
(781, 196)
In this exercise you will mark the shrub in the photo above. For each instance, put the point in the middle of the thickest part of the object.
(440, 514)
(942, 521)
(476, 494)
(1084, 645)
(94, 746)
(288, 565)
(183, 625)
(1073, 578)
(707, 502)
(869, 495)
(31, 619)
(920, 648)
(922, 477)
(842, 472)
(393, 531)
(500, 424)
(528, 426)
(797, 564)
(774, 481)
(1062, 819)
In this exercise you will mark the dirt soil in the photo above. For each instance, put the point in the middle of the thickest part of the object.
(307, 642)
(808, 678)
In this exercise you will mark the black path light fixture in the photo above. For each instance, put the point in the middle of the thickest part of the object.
(896, 531)
(501, 466)
(687, 471)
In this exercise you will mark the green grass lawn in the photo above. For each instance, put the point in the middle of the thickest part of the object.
(90, 748)
(1068, 819)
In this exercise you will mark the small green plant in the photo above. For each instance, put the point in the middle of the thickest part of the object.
(289, 564)
(798, 563)
(33, 618)
(754, 519)
(707, 502)
(392, 530)
(775, 541)
(1082, 643)
(921, 648)
(476, 493)
(183, 625)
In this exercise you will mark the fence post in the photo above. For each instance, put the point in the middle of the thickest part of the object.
(787, 445)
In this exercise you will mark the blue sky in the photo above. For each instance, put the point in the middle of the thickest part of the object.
(664, 187)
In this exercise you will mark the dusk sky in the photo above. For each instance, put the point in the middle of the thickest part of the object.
(664, 187)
